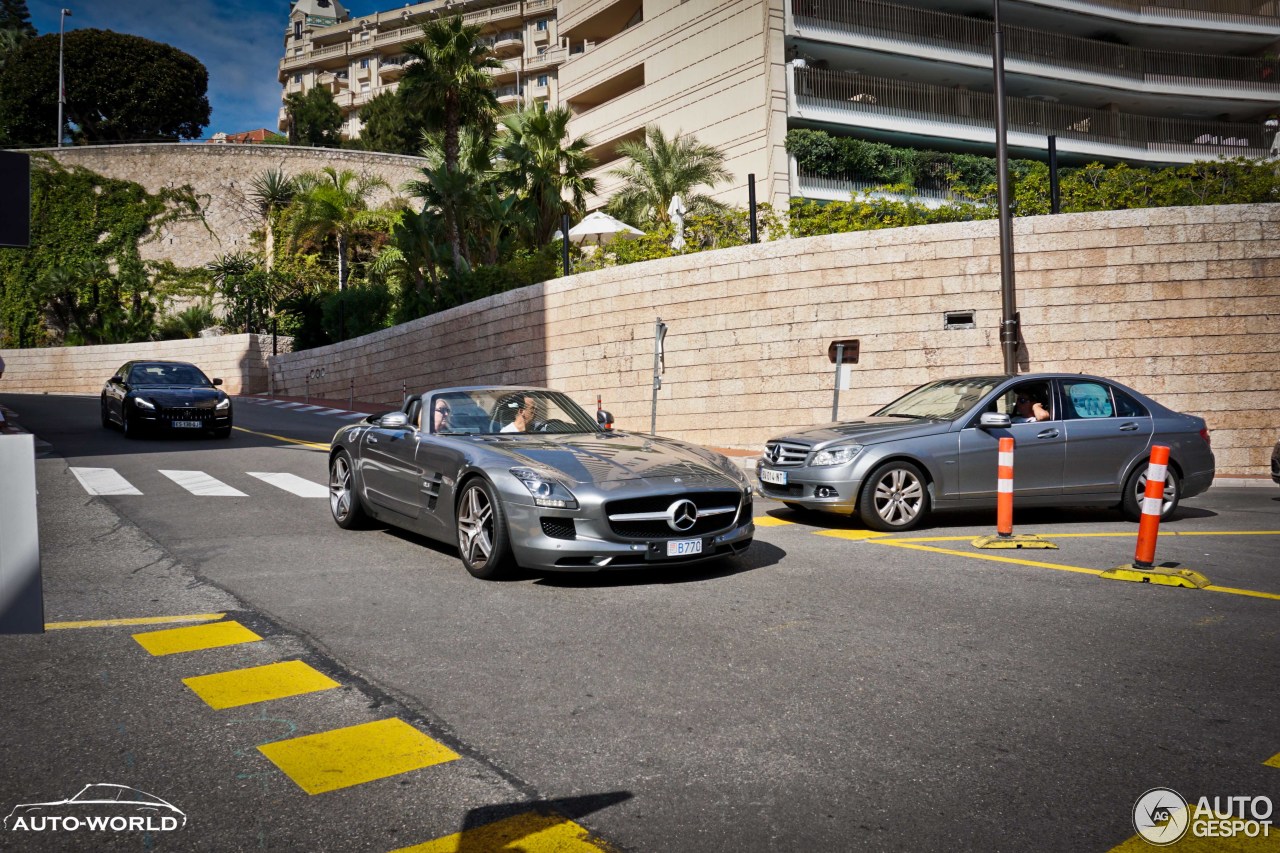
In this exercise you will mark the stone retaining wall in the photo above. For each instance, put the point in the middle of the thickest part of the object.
(221, 175)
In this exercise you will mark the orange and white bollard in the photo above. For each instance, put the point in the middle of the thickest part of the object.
(1143, 569)
(1004, 537)
(1152, 506)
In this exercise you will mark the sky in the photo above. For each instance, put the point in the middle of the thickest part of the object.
(240, 42)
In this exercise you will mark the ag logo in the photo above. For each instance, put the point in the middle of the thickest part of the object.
(1161, 816)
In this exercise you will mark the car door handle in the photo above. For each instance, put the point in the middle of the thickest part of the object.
(1049, 433)
(371, 439)
(1128, 427)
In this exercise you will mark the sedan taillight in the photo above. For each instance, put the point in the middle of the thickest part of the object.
(1204, 433)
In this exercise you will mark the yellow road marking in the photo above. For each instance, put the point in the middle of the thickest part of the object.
(1273, 761)
(912, 544)
(529, 832)
(175, 640)
(354, 755)
(770, 521)
(259, 684)
(1189, 843)
(853, 535)
(1131, 535)
(313, 445)
(140, 620)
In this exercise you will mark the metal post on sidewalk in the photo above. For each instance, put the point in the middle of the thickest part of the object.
(1055, 201)
(751, 208)
(835, 399)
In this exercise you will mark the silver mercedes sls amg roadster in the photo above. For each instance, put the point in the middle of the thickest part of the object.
(524, 476)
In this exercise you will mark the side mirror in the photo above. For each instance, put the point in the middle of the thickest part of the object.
(994, 420)
(604, 419)
(217, 382)
(394, 420)
(117, 379)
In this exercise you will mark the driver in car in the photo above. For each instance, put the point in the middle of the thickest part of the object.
(526, 415)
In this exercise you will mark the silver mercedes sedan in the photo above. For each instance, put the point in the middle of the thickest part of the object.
(523, 476)
(1079, 440)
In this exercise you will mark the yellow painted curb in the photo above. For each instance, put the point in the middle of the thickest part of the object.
(529, 832)
(137, 620)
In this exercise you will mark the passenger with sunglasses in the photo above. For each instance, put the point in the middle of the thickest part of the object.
(1029, 410)
(440, 416)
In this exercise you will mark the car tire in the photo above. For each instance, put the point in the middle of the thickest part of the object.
(106, 418)
(1135, 488)
(127, 426)
(895, 497)
(481, 526)
(344, 503)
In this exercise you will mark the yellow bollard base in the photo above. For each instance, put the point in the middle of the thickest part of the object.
(1166, 577)
(1019, 540)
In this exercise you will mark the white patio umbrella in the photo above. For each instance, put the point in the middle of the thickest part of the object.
(598, 228)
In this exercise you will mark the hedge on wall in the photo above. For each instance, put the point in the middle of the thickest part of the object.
(82, 224)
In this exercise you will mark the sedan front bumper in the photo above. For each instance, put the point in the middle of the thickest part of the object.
(828, 489)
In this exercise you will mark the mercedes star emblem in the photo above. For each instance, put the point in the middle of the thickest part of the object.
(684, 513)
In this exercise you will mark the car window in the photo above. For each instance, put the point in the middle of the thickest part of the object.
(1127, 407)
(490, 411)
(946, 400)
(1086, 400)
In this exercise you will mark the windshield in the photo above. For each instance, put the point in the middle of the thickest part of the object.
(502, 410)
(167, 374)
(944, 400)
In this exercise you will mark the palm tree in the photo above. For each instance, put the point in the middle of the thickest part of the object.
(661, 168)
(541, 168)
(271, 191)
(336, 204)
(447, 83)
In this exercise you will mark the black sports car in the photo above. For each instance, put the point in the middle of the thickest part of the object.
(165, 395)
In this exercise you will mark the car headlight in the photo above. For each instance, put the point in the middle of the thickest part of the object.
(836, 455)
(143, 403)
(546, 490)
(223, 404)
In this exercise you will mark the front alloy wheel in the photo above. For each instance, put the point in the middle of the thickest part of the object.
(482, 532)
(1136, 490)
(895, 497)
(344, 503)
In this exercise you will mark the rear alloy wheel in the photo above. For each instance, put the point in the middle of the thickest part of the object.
(482, 532)
(1136, 489)
(344, 503)
(106, 418)
(127, 426)
(895, 497)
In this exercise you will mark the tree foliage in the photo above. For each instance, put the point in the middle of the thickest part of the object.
(662, 168)
(389, 126)
(314, 118)
(14, 15)
(119, 88)
(541, 165)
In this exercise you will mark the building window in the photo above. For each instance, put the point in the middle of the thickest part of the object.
(297, 78)
(297, 29)
(542, 25)
(542, 79)
(364, 87)
(364, 63)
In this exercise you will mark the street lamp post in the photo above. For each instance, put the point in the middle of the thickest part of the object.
(1008, 302)
(62, 86)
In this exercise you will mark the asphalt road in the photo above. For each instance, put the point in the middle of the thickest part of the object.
(828, 691)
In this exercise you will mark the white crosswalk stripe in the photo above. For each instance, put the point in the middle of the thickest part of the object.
(104, 481)
(200, 483)
(293, 484)
(108, 481)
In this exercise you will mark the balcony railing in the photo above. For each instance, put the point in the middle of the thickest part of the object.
(856, 94)
(546, 60)
(1256, 11)
(956, 32)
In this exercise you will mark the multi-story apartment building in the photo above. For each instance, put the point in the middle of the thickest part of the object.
(1143, 81)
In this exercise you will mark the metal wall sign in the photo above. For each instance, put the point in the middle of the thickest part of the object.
(15, 199)
(21, 591)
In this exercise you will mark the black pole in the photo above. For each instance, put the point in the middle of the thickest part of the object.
(751, 207)
(564, 230)
(275, 329)
(1055, 202)
(1008, 301)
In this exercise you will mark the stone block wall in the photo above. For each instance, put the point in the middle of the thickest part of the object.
(221, 176)
(240, 361)
(1182, 304)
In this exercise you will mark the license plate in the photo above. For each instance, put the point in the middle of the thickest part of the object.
(684, 547)
(188, 424)
(778, 478)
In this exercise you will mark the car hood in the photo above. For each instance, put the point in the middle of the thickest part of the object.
(616, 457)
(866, 431)
(191, 397)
